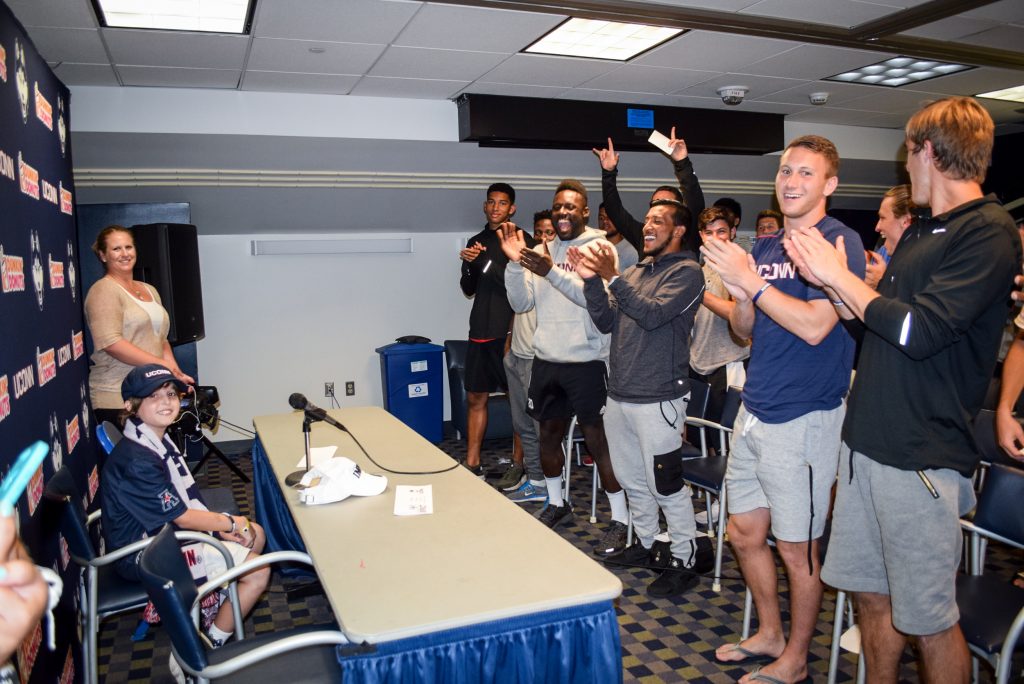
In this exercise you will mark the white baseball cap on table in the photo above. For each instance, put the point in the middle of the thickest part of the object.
(337, 479)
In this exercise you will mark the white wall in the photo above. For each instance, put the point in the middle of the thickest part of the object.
(282, 324)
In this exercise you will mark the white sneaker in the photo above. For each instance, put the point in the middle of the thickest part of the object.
(176, 671)
(702, 517)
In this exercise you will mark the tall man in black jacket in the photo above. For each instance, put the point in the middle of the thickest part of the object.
(932, 332)
(490, 320)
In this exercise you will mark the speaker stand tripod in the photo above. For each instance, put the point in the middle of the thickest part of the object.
(210, 449)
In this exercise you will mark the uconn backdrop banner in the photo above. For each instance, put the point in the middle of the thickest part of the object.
(43, 366)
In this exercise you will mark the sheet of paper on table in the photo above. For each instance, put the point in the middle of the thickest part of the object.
(414, 500)
(317, 456)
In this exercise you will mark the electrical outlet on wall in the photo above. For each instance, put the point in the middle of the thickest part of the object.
(350, 388)
(328, 389)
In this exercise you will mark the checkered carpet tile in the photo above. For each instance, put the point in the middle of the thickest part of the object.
(663, 640)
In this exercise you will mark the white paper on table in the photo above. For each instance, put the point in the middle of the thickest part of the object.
(660, 141)
(317, 456)
(414, 500)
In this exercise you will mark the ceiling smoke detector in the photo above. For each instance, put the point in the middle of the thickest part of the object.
(818, 99)
(732, 95)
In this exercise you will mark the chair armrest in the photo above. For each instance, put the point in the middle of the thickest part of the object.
(266, 651)
(236, 571)
(969, 526)
(93, 517)
(701, 422)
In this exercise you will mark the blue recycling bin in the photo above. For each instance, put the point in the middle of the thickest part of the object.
(412, 380)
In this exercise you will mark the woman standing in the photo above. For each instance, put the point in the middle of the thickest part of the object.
(127, 322)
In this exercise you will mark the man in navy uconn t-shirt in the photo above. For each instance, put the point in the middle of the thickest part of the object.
(786, 437)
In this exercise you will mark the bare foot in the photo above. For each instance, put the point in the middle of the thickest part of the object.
(754, 648)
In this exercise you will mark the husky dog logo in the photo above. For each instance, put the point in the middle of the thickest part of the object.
(21, 78)
(56, 449)
(71, 271)
(82, 394)
(38, 277)
(62, 129)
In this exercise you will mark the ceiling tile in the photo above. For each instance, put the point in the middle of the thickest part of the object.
(759, 86)
(972, 82)
(287, 82)
(176, 49)
(1005, 11)
(648, 79)
(591, 95)
(72, 74)
(895, 100)
(839, 93)
(275, 54)
(549, 71)
(379, 86)
(837, 116)
(176, 77)
(814, 62)
(77, 14)
(514, 90)
(846, 13)
(476, 28)
(351, 21)
(455, 65)
(713, 51)
(1005, 37)
(951, 28)
(69, 45)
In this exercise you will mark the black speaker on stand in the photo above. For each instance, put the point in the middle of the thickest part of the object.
(168, 259)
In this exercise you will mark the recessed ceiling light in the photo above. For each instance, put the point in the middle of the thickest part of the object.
(898, 71)
(1014, 94)
(601, 39)
(212, 16)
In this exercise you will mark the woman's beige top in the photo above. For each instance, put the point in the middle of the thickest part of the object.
(113, 314)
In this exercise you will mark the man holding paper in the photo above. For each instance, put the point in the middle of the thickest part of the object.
(689, 191)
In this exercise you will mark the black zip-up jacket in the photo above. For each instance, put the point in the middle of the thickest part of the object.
(484, 280)
(633, 230)
(932, 338)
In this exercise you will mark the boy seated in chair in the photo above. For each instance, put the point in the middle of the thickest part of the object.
(146, 483)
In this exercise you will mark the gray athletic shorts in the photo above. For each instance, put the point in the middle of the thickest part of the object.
(890, 536)
(788, 468)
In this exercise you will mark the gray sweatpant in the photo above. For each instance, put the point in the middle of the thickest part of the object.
(518, 370)
(637, 433)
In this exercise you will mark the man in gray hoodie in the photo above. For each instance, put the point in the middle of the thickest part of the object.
(569, 367)
(649, 311)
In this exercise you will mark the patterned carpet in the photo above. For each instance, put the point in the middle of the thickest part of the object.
(663, 640)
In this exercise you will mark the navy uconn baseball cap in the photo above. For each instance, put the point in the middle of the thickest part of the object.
(144, 380)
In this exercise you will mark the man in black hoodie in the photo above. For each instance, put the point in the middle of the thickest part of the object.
(490, 320)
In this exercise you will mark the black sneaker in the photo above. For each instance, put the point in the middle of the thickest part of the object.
(674, 580)
(477, 470)
(659, 555)
(634, 555)
(702, 555)
(552, 516)
(613, 540)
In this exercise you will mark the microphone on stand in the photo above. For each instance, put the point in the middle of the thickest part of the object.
(299, 401)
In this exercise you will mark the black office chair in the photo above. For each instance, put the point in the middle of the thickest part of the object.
(499, 414)
(218, 499)
(296, 656)
(102, 592)
(707, 473)
(697, 407)
(991, 608)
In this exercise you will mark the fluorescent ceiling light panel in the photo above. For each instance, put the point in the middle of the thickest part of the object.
(899, 71)
(601, 39)
(213, 16)
(1014, 94)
